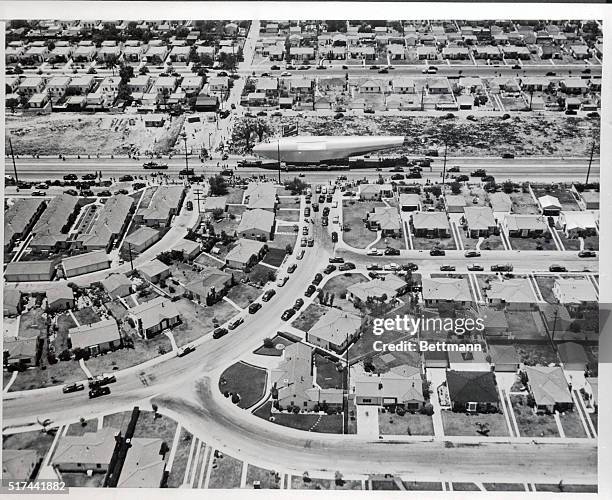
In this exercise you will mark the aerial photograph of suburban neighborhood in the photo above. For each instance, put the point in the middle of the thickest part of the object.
(301, 254)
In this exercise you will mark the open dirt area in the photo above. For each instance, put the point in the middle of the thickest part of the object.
(526, 135)
(72, 134)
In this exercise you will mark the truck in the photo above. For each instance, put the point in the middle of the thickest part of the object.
(502, 268)
(151, 165)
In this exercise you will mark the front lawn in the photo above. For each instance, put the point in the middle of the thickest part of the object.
(408, 424)
(419, 243)
(268, 479)
(545, 285)
(338, 284)
(288, 214)
(243, 294)
(328, 376)
(331, 424)
(248, 381)
(356, 234)
(198, 320)
(226, 474)
(572, 425)
(281, 241)
(463, 424)
(181, 457)
(277, 340)
(541, 243)
(298, 483)
(309, 317)
(504, 486)
(529, 423)
(493, 242)
(274, 256)
(422, 486)
(64, 322)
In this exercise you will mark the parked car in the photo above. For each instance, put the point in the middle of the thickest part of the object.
(447, 268)
(236, 323)
(38, 193)
(391, 251)
(219, 332)
(454, 169)
(254, 307)
(285, 73)
(336, 260)
(411, 266)
(330, 269)
(96, 392)
(310, 290)
(101, 380)
(72, 388)
(299, 302)
(300, 255)
(42, 185)
(291, 268)
(373, 251)
(71, 177)
(317, 278)
(502, 268)
(587, 253)
(274, 67)
(373, 267)
(303, 242)
(282, 280)
(105, 193)
(475, 267)
(268, 295)
(324, 221)
(71, 192)
(334, 237)
(437, 252)
(472, 253)
(183, 351)
(310, 242)
(347, 266)
(189, 205)
(288, 314)
(89, 177)
(556, 268)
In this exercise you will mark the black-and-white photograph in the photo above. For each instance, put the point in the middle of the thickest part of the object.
(302, 254)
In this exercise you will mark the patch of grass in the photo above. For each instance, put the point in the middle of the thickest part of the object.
(198, 320)
(338, 284)
(288, 215)
(504, 486)
(117, 420)
(536, 354)
(567, 488)
(32, 324)
(64, 323)
(281, 241)
(268, 479)
(273, 351)
(493, 242)
(177, 473)
(274, 257)
(147, 426)
(116, 309)
(298, 483)
(246, 380)
(82, 480)
(227, 474)
(408, 424)
(465, 487)
(206, 260)
(429, 243)
(384, 485)
(331, 424)
(86, 316)
(78, 429)
(309, 317)
(542, 243)
(234, 195)
(572, 425)
(328, 377)
(33, 440)
(525, 324)
(353, 214)
(529, 423)
(243, 294)
(59, 373)
(463, 424)
(422, 486)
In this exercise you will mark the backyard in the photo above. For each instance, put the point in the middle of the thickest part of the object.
(529, 423)
(181, 457)
(267, 479)
(328, 376)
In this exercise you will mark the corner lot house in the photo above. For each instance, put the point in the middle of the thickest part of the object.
(445, 290)
(245, 254)
(117, 285)
(335, 330)
(577, 224)
(154, 316)
(145, 464)
(90, 452)
(375, 191)
(389, 287)
(154, 270)
(85, 263)
(430, 225)
(256, 224)
(210, 287)
(472, 391)
(59, 297)
(589, 200)
(386, 220)
(189, 249)
(165, 203)
(98, 338)
(574, 293)
(480, 222)
(549, 388)
(400, 386)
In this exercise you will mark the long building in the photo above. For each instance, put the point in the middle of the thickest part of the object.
(50, 232)
(109, 225)
(315, 149)
(19, 219)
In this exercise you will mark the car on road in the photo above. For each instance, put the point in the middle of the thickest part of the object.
(508, 156)
(268, 295)
(265, 74)
(373, 267)
(325, 212)
(305, 230)
(72, 388)
(516, 66)
(96, 392)
(288, 314)
(317, 278)
(437, 252)
(71, 177)
(236, 323)
(42, 185)
(472, 253)
(254, 307)
(447, 268)
(71, 192)
(392, 267)
(391, 251)
(282, 280)
(105, 193)
(189, 205)
(303, 242)
(292, 268)
(101, 380)
(274, 67)
(311, 242)
(320, 66)
(89, 177)
(334, 237)
(38, 193)
(310, 290)
(556, 268)
(475, 267)
(344, 66)
(315, 207)
(431, 70)
(374, 66)
(587, 253)
(336, 260)
(183, 351)
(307, 212)
(383, 71)
(373, 251)
(285, 73)
(151, 165)
(324, 221)
(454, 169)
(330, 269)
(506, 268)
(300, 255)
(219, 332)
(347, 266)
(411, 266)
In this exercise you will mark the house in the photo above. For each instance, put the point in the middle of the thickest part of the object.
(192, 85)
(256, 224)
(50, 232)
(60, 297)
(117, 285)
(486, 52)
(574, 292)
(245, 254)
(33, 270)
(133, 54)
(267, 86)
(293, 382)
(12, 303)
(438, 291)
(38, 101)
(589, 200)
(84, 54)
(154, 120)
(140, 84)
(299, 85)
(97, 338)
(549, 388)
(578, 224)
(156, 54)
(455, 203)
(109, 54)
(384, 219)
(525, 226)
(430, 225)
(455, 53)
(372, 87)
(302, 53)
(164, 204)
(190, 249)
(213, 203)
(19, 465)
(85, 263)
(261, 195)
(164, 85)
(111, 223)
(510, 291)
(144, 465)
(573, 356)
(218, 84)
(19, 219)
(375, 191)
(81, 85)
(426, 53)
(494, 321)
(437, 86)
(180, 54)
(403, 85)
(480, 222)
(574, 85)
(154, 270)
(206, 103)
(500, 202)
(385, 288)
(468, 360)
(141, 239)
(401, 386)
(580, 52)
(31, 85)
(504, 357)
(409, 202)
(57, 87)
(210, 288)
(470, 83)
(22, 352)
(91, 451)
(335, 330)
(151, 318)
(472, 391)
(37, 53)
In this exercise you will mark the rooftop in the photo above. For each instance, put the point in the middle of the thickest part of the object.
(84, 260)
(90, 448)
(466, 387)
(452, 289)
(259, 219)
(152, 313)
(548, 385)
(153, 267)
(85, 336)
(511, 291)
(244, 250)
(572, 291)
(335, 326)
(141, 235)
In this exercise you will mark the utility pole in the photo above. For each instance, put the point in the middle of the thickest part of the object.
(186, 160)
(14, 165)
(554, 325)
(444, 166)
(130, 251)
(423, 98)
(197, 192)
(279, 160)
(588, 171)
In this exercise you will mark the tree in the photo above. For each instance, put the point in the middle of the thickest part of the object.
(508, 187)
(12, 103)
(296, 186)
(218, 185)
(217, 213)
(143, 70)
(456, 187)
(268, 343)
(126, 72)
(338, 477)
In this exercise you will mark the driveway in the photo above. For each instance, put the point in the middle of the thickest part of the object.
(367, 421)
